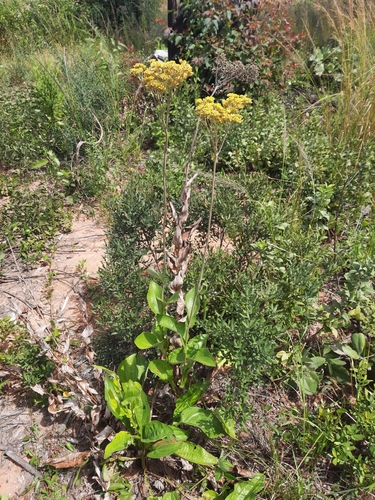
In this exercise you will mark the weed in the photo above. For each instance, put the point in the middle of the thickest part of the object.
(17, 350)
(30, 220)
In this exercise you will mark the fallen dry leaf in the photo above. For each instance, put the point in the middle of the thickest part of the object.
(74, 459)
(243, 472)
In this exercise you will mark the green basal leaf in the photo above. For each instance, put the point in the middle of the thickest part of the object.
(155, 298)
(112, 394)
(246, 490)
(225, 465)
(165, 448)
(155, 431)
(120, 442)
(39, 164)
(146, 340)
(204, 357)
(336, 361)
(196, 454)
(228, 425)
(173, 324)
(197, 342)
(162, 369)
(173, 298)
(205, 420)
(209, 495)
(338, 372)
(179, 434)
(142, 412)
(173, 495)
(192, 396)
(350, 352)
(358, 342)
(315, 362)
(176, 356)
(134, 368)
(131, 392)
(309, 382)
(357, 314)
(192, 306)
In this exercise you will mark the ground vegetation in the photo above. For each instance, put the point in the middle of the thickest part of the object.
(233, 314)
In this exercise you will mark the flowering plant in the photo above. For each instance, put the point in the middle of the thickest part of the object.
(226, 112)
(162, 77)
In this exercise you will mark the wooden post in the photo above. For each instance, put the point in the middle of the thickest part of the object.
(172, 15)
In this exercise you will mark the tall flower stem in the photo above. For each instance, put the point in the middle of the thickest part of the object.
(165, 121)
(214, 135)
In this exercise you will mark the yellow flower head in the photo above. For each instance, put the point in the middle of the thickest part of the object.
(225, 112)
(162, 77)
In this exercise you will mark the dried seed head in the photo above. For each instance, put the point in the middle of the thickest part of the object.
(227, 71)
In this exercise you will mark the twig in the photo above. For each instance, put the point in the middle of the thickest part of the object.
(22, 463)
(17, 298)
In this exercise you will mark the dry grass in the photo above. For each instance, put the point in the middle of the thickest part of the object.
(353, 28)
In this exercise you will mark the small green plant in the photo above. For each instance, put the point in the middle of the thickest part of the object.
(343, 362)
(30, 220)
(17, 350)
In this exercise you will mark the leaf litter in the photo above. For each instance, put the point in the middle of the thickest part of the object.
(49, 298)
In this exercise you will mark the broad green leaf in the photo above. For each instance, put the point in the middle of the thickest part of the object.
(357, 314)
(344, 350)
(155, 298)
(146, 340)
(131, 392)
(162, 369)
(336, 361)
(246, 490)
(134, 368)
(120, 442)
(204, 357)
(205, 420)
(179, 434)
(117, 487)
(173, 298)
(338, 372)
(192, 306)
(197, 342)
(39, 164)
(358, 342)
(192, 396)
(164, 448)
(315, 362)
(172, 324)
(173, 495)
(309, 382)
(225, 465)
(196, 454)
(350, 352)
(209, 495)
(112, 392)
(176, 356)
(228, 425)
(155, 431)
(142, 412)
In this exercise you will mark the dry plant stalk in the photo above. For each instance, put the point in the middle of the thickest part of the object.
(178, 259)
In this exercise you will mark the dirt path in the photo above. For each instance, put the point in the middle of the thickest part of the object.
(47, 296)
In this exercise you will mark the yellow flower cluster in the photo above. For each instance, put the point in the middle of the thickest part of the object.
(162, 77)
(224, 112)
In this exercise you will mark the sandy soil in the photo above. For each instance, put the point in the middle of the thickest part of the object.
(42, 296)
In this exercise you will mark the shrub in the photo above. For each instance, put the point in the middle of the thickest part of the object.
(262, 35)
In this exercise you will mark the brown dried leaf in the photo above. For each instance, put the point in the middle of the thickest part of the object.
(242, 472)
(74, 459)
(104, 434)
